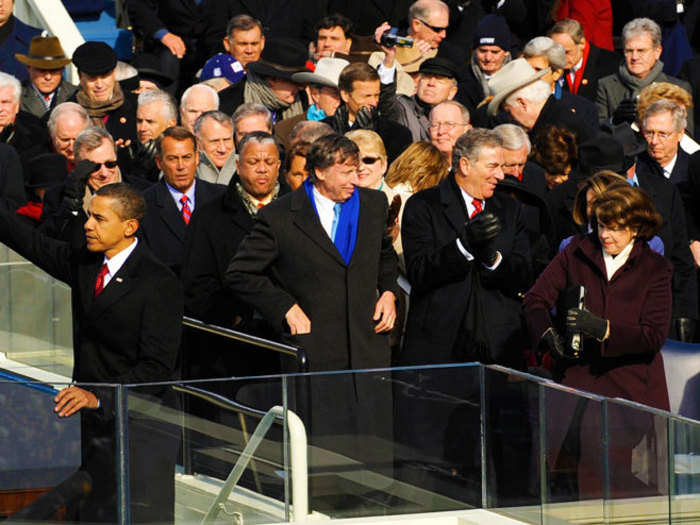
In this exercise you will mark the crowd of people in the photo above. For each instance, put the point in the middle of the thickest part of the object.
(274, 168)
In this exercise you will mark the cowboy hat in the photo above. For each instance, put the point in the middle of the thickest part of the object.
(281, 58)
(510, 78)
(326, 74)
(45, 52)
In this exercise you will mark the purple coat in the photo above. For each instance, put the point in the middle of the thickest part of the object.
(636, 301)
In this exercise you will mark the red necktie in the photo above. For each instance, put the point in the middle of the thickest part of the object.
(186, 212)
(100, 281)
(477, 208)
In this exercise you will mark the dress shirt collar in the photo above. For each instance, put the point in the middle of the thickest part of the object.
(468, 202)
(177, 195)
(324, 207)
(668, 168)
(115, 263)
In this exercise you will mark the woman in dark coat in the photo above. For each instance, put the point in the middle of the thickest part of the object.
(624, 324)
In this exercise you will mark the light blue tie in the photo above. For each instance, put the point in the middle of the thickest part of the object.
(336, 217)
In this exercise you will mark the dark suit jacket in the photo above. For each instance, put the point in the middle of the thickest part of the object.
(581, 106)
(288, 258)
(27, 135)
(11, 177)
(17, 41)
(668, 200)
(368, 14)
(558, 113)
(163, 227)
(601, 63)
(441, 277)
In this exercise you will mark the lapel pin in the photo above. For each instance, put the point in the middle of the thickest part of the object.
(122, 120)
(118, 279)
(584, 81)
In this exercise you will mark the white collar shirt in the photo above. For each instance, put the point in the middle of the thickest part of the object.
(115, 263)
(325, 208)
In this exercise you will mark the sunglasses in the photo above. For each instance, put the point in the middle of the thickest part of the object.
(109, 164)
(369, 160)
(432, 28)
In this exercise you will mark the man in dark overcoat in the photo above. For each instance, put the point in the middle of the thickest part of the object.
(320, 266)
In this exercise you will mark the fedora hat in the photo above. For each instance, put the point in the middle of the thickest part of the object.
(281, 58)
(326, 73)
(45, 52)
(511, 77)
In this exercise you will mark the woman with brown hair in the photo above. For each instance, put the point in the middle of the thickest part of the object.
(621, 327)
(556, 151)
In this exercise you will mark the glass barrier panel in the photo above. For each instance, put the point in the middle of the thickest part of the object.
(35, 318)
(685, 468)
(637, 463)
(187, 458)
(55, 468)
(512, 445)
(386, 442)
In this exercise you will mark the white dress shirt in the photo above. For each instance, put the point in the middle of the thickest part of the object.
(177, 195)
(326, 213)
(668, 168)
(116, 262)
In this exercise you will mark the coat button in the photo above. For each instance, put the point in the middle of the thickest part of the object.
(122, 120)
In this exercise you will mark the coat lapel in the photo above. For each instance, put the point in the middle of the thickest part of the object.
(453, 209)
(87, 277)
(168, 211)
(306, 219)
(118, 286)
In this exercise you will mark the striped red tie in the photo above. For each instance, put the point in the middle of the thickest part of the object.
(186, 211)
(100, 281)
(477, 208)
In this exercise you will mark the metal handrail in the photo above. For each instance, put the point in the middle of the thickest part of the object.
(296, 351)
(219, 400)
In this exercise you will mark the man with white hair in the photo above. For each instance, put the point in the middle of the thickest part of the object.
(520, 91)
(155, 113)
(194, 101)
(617, 93)
(516, 150)
(541, 53)
(65, 123)
(217, 159)
(19, 129)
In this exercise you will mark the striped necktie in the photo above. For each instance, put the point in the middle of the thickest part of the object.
(186, 211)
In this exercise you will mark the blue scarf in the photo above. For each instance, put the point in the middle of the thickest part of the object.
(346, 233)
(315, 113)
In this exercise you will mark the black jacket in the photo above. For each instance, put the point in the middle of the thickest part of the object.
(441, 278)
(601, 63)
(27, 135)
(163, 227)
(11, 177)
(559, 113)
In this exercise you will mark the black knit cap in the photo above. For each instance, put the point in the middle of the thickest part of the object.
(439, 66)
(94, 58)
(493, 30)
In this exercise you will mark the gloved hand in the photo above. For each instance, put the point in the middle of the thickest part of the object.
(553, 342)
(75, 184)
(685, 329)
(480, 235)
(578, 320)
(365, 118)
(625, 112)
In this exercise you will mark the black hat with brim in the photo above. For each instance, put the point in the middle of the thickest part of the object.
(281, 58)
(46, 170)
(95, 58)
(443, 67)
(148, 66)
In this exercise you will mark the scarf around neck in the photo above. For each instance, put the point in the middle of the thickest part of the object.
(346, 232)
(636, 84)
(257, 90)
(479, 74)
(98, 110)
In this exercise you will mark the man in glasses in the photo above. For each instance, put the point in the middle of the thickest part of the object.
(448, 122)
(428, 21)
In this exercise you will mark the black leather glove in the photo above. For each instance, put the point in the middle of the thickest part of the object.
(366, 117)
(553, 342)
(625, 112)
(75, 184)
(685, 329)
(480, 235)
(578, 320)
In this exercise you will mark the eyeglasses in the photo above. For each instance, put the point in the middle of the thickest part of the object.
(369, 160)
(432, 28)
(445, 125)
(661, 135)
(109, 164)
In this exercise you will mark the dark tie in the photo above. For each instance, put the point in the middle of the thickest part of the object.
(477, 208)
(100, 281)
(186, 211)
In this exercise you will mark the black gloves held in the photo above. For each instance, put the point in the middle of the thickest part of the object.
(75, 184)
(480, 235)
(578, 320)
(625, 112)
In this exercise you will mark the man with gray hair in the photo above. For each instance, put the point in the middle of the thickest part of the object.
(250, 117)
(516, 149)
(65, 123)
(21, 130)
(541, 53)
(156, 111)
(617, 93)
(464, 232)
(194, 101)
(217, 160)
(520, 91)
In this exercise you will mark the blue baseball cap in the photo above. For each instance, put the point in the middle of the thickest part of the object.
(223, 65)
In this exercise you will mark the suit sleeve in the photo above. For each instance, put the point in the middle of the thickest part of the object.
(160, 332)
(143, 15)
(248, 274)
(52, 256)
(429, 266)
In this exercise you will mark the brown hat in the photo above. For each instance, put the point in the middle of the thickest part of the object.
(45, 52)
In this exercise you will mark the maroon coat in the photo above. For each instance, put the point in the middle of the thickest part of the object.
(636, 301)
